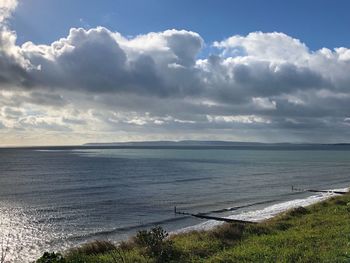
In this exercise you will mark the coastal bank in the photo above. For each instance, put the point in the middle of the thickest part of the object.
(316, 233)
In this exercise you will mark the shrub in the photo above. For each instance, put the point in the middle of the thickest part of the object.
(229, 233)
(126, 245)
(93, 248)
(339, 202)
(155, 243)
(348, 207)
(283, 226)
(51, 258)
(298, 211)
(258, 229)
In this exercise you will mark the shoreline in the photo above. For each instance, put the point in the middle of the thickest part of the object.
(256, 215)
(309, 231)
(265, 213)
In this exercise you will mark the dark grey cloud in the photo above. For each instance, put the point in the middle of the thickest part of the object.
(12, 113)
(12, 69)
(74, 121)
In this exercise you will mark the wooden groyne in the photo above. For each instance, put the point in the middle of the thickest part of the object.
(318, 191)
(204, 216)
(230, 220)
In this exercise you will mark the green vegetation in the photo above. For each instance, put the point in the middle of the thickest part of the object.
(319, 233)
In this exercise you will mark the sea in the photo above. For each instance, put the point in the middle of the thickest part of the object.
(54, 198)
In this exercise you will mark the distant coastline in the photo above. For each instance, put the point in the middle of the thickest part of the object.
(188, 144)
(183, 143)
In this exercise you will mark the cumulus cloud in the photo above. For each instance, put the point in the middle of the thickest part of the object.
(6, 9)
(98, 61)
(13, 65)
(274, 46)
(155, 84)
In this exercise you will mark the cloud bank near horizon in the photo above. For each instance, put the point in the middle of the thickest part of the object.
(98, 85)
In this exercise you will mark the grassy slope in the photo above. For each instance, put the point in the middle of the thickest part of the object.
(320, 233)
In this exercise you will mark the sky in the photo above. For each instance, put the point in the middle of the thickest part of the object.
(73, 72)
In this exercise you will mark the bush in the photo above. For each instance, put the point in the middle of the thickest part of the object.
(348, 207)
(283, 226)
(298, 211)
(228, 233)
(339, 202)
(258, 229)
(93, 248)
(51, 258)
(155, 243)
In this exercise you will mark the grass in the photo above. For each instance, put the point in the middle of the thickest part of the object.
(319, 233)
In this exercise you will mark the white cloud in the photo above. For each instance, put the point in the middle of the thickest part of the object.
(246, 119)
(6, 9)
(264, 103)
(273, 47)
(154, 84)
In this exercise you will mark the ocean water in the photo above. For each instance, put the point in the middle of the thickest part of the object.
(51, 199)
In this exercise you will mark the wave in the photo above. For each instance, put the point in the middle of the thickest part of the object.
(105, 233)
(267, 212)
(111, 232)
(229, 209)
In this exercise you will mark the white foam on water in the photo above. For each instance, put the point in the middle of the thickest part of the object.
(267, 212)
